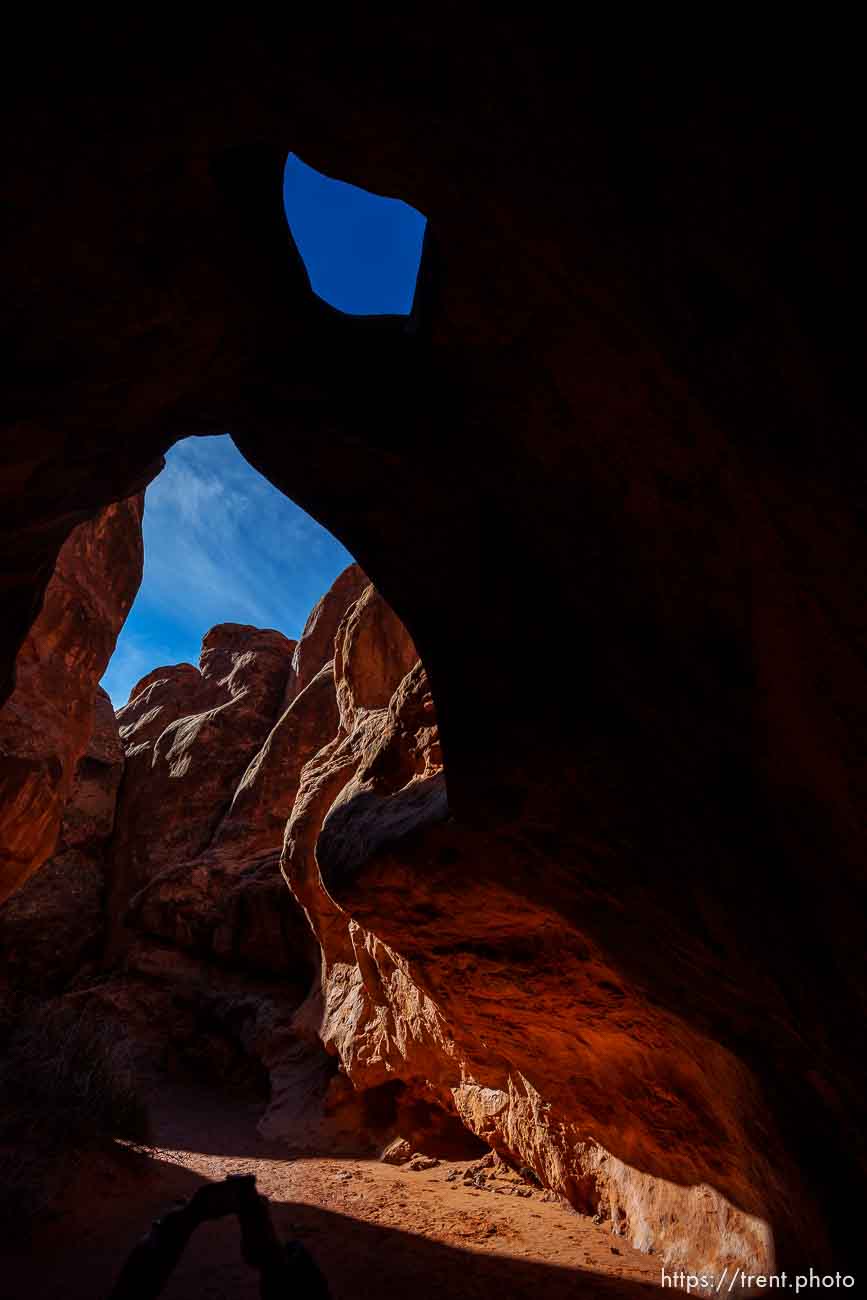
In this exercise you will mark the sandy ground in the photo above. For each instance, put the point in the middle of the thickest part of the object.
(374, 1229)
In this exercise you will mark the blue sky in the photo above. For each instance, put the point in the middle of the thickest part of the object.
(361, 250)
(221, 546)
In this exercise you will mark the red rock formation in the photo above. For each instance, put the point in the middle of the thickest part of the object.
(88, 818)
(431, 980)
(213, 949)
(316, 646)
(228, 899)
(265, 795)
(213, 764)
(511, 1018)
(410, 992)
(55, 922)
(189, 736)
(47, 722)
(610, 474)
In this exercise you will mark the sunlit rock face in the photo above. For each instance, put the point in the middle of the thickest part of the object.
(48, 721)
(185, 869)
(54, 924)
(199, 914)
(188, 735)
(316, 643)
(506, 1013)
(408, 959)
(208, 954)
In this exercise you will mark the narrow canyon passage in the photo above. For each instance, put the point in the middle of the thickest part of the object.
(168, 956)
(160, 949)
(201, 926)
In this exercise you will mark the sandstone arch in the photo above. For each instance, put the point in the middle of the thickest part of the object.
(610, 489)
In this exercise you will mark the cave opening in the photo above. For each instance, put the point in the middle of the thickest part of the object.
(221, 545)
(190, 936)
(157, 954)
(156, 963)
(637, 574)
(362, 251)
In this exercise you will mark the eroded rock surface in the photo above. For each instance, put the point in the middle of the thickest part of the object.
(610, 474)
(189, 735)
(508, 1016)
(407, 972)
(55, 923)
(316, 643)
(47, 722)
(205, 941)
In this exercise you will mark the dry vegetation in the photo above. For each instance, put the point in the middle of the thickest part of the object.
(66, 1085)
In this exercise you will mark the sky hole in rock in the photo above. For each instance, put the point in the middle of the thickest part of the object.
(221, 545)
(362, 251)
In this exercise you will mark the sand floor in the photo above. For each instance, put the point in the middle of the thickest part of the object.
(373, 1228)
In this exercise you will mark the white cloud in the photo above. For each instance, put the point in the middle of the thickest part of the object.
(222, 545)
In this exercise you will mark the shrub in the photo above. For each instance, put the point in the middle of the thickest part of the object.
(67, 1083)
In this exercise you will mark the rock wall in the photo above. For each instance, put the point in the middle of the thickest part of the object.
(48, 721)
(207, 954)
(609, 474)
(203, 935)
(54, 925)
(188, 735)
(509, 1017)
(427, 984)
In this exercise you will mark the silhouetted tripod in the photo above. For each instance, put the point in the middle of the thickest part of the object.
(286, 1269)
